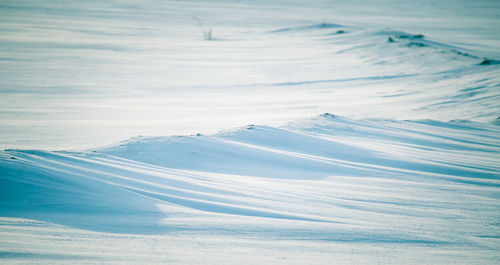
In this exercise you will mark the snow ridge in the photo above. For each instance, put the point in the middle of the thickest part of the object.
(322, 173)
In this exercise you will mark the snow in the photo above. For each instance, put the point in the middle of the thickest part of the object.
(228, 159)
(79, 75)
(319, 185)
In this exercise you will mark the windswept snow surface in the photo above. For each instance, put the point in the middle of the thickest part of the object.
(327, 189)
(76, 75)
(406, 171)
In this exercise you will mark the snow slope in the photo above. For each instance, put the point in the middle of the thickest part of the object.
(405, 172)
(328, 182)
(78, 74)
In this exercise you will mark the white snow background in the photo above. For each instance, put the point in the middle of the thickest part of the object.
(237, 166)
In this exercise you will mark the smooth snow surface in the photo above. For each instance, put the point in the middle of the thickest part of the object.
(405, 171)
(314, 190)
(79, 74)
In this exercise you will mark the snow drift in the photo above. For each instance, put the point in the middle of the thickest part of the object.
(406, 171)
(328, 178)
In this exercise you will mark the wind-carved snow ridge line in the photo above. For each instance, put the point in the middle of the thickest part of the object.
(403, 39)
(361, 166)
(324, 170)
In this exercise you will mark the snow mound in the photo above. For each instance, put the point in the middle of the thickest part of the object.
(325, 178)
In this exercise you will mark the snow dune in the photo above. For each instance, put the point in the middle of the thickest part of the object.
(407, 171)
(327, 179)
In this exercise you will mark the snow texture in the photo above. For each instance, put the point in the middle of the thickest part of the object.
(428, 186)
(77, 75)
(402, 167)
